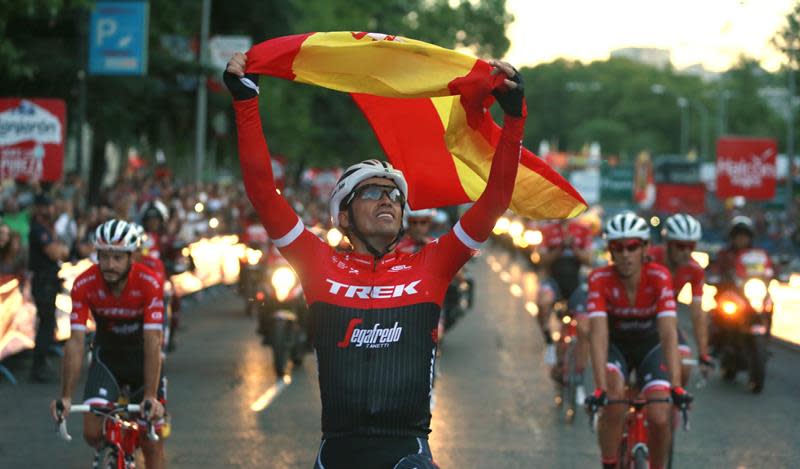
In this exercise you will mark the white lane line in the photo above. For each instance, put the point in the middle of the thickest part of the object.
(270, 394)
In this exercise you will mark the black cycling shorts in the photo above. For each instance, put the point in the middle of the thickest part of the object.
(113, 369)
(646, 358)
(374, 453)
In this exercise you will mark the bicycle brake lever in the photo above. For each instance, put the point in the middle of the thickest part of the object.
(151, 432)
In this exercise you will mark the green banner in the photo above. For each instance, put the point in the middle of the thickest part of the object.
(616, 184)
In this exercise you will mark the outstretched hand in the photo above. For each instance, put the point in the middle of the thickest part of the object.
(510, 97)
(241, 85)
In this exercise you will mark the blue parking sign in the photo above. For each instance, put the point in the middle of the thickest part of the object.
(118, 38)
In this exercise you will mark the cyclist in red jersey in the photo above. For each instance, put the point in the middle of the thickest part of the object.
(682, 232)
(373, 311)
(566, 246)
(125, 300)
(419, 224)
(633, 325)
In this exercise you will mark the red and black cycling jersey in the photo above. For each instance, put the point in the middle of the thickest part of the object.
(122, 319)
(690, 273)
(631, 322)
(373, 322)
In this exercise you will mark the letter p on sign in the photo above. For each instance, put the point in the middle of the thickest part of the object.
(106, 27)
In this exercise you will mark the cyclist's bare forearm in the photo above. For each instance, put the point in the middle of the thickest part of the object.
(598, 348)
(71, 363)
(584, 256)
(152, 362)
(700, 327)
(668, 333)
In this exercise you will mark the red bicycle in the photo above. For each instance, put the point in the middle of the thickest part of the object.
(633, 450)
(121, 433)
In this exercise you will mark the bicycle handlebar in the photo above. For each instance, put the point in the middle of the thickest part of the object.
(634, 402)
(87, 408)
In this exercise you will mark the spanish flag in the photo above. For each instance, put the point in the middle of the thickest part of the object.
(428, 108)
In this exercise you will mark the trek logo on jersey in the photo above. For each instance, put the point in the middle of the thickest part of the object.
(370, 291)
(376, 337)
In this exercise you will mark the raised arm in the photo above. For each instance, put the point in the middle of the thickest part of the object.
(274, 211)
(478, 221)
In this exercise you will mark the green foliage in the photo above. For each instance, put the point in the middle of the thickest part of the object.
(613, 102)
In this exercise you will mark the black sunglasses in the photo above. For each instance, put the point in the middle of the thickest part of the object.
(376, 192)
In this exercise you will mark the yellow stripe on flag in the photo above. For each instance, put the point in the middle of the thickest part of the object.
(340, 61)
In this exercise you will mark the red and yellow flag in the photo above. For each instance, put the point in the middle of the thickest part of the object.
(428, 108)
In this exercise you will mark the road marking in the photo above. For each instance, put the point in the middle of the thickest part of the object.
(270, 394)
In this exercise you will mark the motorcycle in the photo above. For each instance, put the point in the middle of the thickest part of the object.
(742, 319)
(281, 316)
(252, 275)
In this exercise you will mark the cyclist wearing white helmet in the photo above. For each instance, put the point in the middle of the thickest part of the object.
(633, 326)
(124, 298)
(682, 232)
(373, 311)
(418, 224)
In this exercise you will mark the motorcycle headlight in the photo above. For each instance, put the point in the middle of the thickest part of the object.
(533, 237)
(334, 237)
(728, 307)
(501, 226)
(253, 256)
(756, 291)
(283, 280)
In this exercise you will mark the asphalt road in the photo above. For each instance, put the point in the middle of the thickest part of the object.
(494, 402)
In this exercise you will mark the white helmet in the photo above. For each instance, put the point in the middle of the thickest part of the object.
(358, 173)
(742, 223)
(422, 213)
(680, 227)
(627, 225)
(117, 235)
(154, 208)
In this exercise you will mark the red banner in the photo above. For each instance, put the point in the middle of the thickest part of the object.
(683, 198)
(746, 167)
(32, 135)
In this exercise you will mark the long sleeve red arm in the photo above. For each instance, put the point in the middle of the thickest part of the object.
(480, 219)
(274, 211)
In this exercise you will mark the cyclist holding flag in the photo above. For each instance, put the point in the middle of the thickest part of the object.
(374, 311)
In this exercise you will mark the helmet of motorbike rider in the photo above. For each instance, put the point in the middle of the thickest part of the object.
(742, 232)
(367, 204)
(116, 241)
(682, 232)
(627, 235)
(153, 216)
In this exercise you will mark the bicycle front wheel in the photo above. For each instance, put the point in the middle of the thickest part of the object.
(106, 458)
(640, 459)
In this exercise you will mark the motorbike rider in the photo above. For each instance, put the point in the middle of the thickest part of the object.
(418, 226)
(125, 300)
(374, 387)
(153, 216)
(682, 232)
(740, 237)
(633, 325)
(566, 246)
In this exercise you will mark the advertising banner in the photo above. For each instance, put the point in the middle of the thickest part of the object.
(32, 134)
(616, 184)
(684, 198)
(746, 167)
